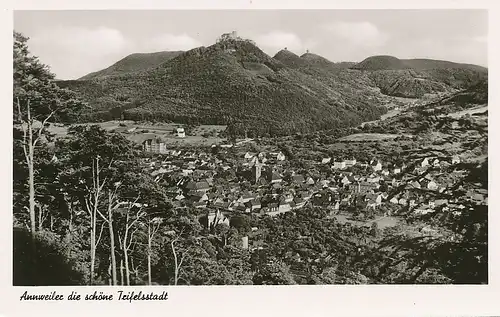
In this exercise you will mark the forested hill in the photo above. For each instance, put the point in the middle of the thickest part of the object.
(234, 82)
(414, 78)
(133, 63)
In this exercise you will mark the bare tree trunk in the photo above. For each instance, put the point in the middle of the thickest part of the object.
(177, 262)
(31, 172)
(92, 248)
(149, 252)
(125, 250)
(40, 218)
(176, 267)
(121, 272)
(110, 280)
(112, 242)
(127, 270)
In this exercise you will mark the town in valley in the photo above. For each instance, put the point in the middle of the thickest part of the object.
(222, 165)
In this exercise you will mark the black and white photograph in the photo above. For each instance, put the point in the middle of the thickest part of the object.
(250, 147)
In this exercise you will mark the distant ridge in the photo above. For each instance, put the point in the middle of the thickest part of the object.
(381, 62)
(133, 63)
(386, 62)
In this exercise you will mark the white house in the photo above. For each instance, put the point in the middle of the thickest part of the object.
(181, 133)
(425, 162)
(326, 160)
(432, 185)
(435, 163)
(350, 162)
(278, 156)
(455, 159)
(376, 165)
(339, 165)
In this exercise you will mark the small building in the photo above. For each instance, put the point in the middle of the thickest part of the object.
(350, 163)
(455, 159)
(326, 160)
(278, 156)
(181, 133)
(339, 165)
(376, 166)
(424, 162)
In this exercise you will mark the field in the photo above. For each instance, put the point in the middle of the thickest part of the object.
(203, 135)
(368, 137)
(382, 222)
(469, 111)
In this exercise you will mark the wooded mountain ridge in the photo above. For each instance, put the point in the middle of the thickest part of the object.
(235, 82)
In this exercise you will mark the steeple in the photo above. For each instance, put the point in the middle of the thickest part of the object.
(257, 170)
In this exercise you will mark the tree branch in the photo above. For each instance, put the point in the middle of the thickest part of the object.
(44, 122)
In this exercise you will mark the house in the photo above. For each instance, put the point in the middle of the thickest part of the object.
(326, 160)
(201, 204)
(432, 185)
(373, 179)
(455, 159)
(346, 180)
(310, 181)
(181, 133)
(288, 197)
(150, 142)
(198, 196)
(339, 165)
(366, 187)
(396, 170)
(350, 163)
(173, 191)
(216, 217)
(414, 184)
(435, 162)
(298, 179)
(248, 155)
(299, 202)
(306, 195)
(254, 204)
(273, 207)
(243, 208)
(246, 197)
(284, 207)
(275, 178)
(423, 209)
(424, 162)
(198, 186)
(385, 172)
(278, 156)
(376, 165)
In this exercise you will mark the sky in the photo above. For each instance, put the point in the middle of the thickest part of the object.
(75, 43)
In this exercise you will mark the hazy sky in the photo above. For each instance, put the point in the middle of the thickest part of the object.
(75, 43)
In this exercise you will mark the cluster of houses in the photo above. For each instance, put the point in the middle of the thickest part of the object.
(234, 181)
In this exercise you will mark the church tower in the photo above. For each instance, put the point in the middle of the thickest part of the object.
(257, 170)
